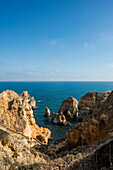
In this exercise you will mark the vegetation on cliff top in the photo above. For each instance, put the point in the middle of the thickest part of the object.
(4, 137)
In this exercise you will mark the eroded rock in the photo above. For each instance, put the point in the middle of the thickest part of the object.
(17, 151)
(61, 119)
(69, 107)
(47, 112)
(92, 99)
(95, 126)
(16, 112)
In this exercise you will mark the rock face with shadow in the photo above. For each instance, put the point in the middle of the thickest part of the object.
(16, 112)
(69, 107)
(92, 99)
(93, 127)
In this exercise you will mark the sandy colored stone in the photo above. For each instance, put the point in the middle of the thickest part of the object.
(16, 112)
(17, 151)
(91, 99)
(47, 112)
(95, 126)
(61, 119)
(69, 107)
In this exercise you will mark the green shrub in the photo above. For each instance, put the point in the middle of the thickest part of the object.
(33, 151)
(15, 154)
(12, 167)
(69, 158)
(5, 141)
(4, 137)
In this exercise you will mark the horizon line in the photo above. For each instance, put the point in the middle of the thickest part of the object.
(57, 81)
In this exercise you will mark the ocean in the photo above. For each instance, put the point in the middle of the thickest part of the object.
(52, 94)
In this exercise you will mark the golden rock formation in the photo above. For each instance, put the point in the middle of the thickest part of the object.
(47, 112)
(69, 107)
(93, 127)
(16, 112)
(91, 99)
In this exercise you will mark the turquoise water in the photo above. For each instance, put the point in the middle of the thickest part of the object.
(51, 94)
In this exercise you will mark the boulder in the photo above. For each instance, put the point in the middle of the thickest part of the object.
(69, 107)
(47, 112)
(16, 112)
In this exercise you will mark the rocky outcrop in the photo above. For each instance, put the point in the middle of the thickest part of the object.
(92, 99)
(28, 99)
(98, 155)
(93, 127)
(47, 112)
(84, 111)
(69, 107)
(15, 150)
(16, 112)
(61, 119)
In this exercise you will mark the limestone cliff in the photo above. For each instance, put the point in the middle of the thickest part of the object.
(16, 150)
(91, 99)
(16, 112)
(95, 126)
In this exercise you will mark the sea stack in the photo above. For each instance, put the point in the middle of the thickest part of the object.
(69, 107)
(47, 112)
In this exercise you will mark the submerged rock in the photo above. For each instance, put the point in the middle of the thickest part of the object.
(16, 112)
(69, 107)
(47, 112)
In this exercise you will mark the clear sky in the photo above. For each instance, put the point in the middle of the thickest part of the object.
(56, 40)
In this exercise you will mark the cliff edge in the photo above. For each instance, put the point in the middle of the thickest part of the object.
(16, 113)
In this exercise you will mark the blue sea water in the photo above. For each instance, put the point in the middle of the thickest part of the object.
(51, 94)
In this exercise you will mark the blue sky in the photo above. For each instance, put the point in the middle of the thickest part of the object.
(56, 40)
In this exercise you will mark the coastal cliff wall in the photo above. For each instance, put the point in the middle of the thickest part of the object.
(89, 139)
(91, 99)
(16, 112)
(97, 125)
